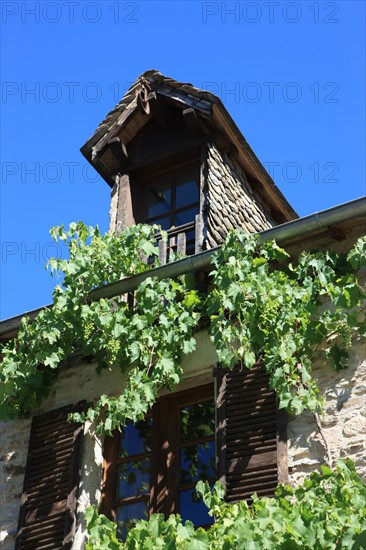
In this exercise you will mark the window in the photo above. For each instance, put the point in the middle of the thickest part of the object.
(171, 199)
(154, 465)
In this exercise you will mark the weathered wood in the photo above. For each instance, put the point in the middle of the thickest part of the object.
(158, 109)
(249, 454)
(198, 233)
(118, 149)
(109, 477)
(162, 252)
(177, 97)
(162, 154)
(48, 503)
(181, 244)
(194, 123)
(220, 390)
(172, 242)
(125, 217)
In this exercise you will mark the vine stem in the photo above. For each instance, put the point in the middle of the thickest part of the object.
(329, 460)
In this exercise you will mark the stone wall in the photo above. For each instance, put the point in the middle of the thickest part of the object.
(230, 201)
(344, 426)
(14, 438)
(343, 422)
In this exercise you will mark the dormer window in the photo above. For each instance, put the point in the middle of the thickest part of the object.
(173, 202)
(171, 199)
(174, 156)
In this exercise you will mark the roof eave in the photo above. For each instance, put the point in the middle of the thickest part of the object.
(299, 230)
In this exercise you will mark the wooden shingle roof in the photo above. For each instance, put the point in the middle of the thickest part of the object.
(207, 106)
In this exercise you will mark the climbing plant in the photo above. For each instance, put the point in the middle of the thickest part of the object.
(326, 512)
(266, 307)
(263, 307)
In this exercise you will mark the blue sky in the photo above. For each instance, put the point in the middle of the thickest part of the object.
(291, 74)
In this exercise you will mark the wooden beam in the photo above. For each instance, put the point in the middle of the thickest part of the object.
(177, 148)
(118, 149)
(158, 109)
(193, 122)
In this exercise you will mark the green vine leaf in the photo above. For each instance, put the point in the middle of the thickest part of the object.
(266, 311)
(327, 511)
(262, 307)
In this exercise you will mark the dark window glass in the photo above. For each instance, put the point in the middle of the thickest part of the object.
(190, 236)
(192, 507)
(197, 421)
(136, 438)
(185, 216)
(197, 462)
(173, 202)
(159, 200)
(196, 459)
(163, 222)
(133, 474)
(133, 478)
(128, 514)
(186, 193)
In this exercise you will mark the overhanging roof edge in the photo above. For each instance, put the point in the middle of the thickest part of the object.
(298, 228)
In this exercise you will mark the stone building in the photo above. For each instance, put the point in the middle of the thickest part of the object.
(172, 155)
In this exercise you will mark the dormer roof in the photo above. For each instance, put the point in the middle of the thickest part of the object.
(149, 98)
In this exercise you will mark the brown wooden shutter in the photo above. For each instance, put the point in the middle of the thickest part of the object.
(48, 504)
(251, 434)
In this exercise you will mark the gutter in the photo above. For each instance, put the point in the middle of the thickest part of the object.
(281, 233)
(299, 228)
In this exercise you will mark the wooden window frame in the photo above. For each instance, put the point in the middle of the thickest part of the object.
(169, 173)
(164, 486)
(164, 478)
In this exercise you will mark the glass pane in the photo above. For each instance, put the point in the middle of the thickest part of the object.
(190, 235)
(190, 249)
(186, 193)
(163, 221)
(185, 216)
(128, 514)
(158, 200)
(197, 421)
(197, 462)
(136, 438)
(192, 507)
(133, 478)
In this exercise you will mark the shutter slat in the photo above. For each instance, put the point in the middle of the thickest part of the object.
(251, 476)
(264, 432)
(39, 473)
(252, 461)
(247, 450)
(37, 479)
(44, 533)
(48, 511)
(52, 445)
(247, 433)
(242, 427)
(239, 407)
(43, 498)
(58, 456)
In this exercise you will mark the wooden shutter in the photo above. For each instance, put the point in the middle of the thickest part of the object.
(48, 504)
(250, 436)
